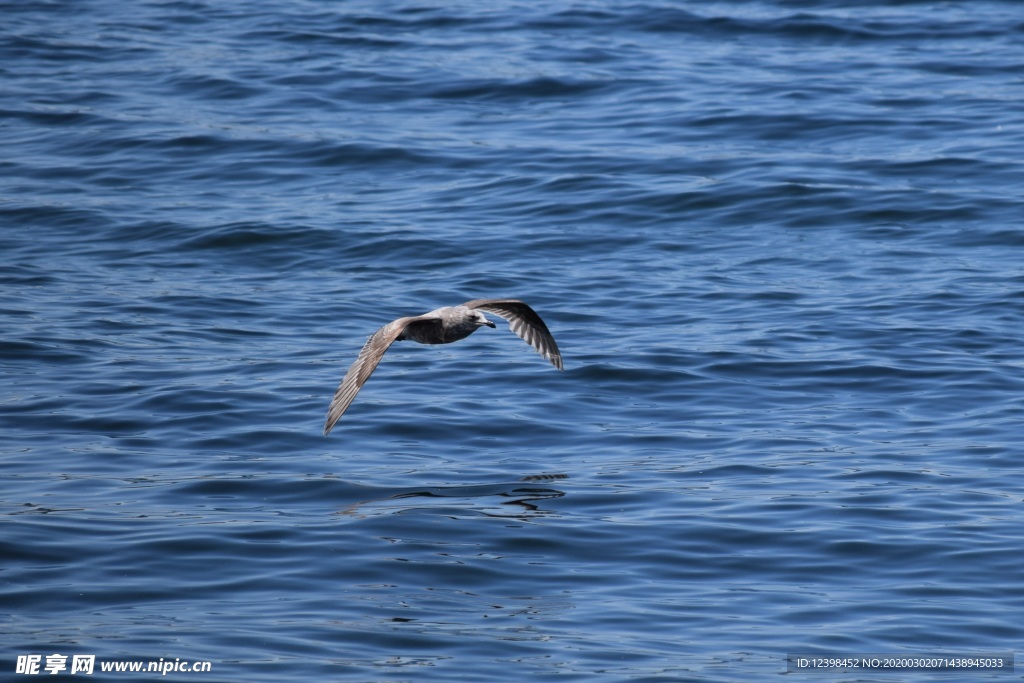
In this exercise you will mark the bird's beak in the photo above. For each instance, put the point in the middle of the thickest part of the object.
(490, 324)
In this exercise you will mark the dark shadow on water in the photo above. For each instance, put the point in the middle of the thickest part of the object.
(520, 499)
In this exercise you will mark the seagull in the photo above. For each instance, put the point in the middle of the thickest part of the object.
(441, 326)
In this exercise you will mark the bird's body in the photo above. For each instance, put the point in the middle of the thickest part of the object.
(441, 326)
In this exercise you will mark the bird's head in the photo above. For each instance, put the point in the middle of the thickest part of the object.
(482, 320)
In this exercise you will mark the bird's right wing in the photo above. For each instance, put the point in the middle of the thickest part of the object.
(525, 322)
(364, 365)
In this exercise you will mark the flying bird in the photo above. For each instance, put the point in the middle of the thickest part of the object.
(441, 326)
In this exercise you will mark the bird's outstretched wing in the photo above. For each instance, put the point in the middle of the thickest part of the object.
(366, 363)
(525, 322)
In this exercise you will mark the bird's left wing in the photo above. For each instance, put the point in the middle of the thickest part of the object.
(364, 365)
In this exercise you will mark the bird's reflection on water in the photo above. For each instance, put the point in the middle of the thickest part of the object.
(523, 498)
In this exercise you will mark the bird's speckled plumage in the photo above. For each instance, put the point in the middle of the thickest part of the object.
(441, 326)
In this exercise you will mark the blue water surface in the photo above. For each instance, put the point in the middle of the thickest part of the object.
(780, 245)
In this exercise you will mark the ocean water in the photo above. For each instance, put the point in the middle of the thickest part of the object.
(781, 247)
